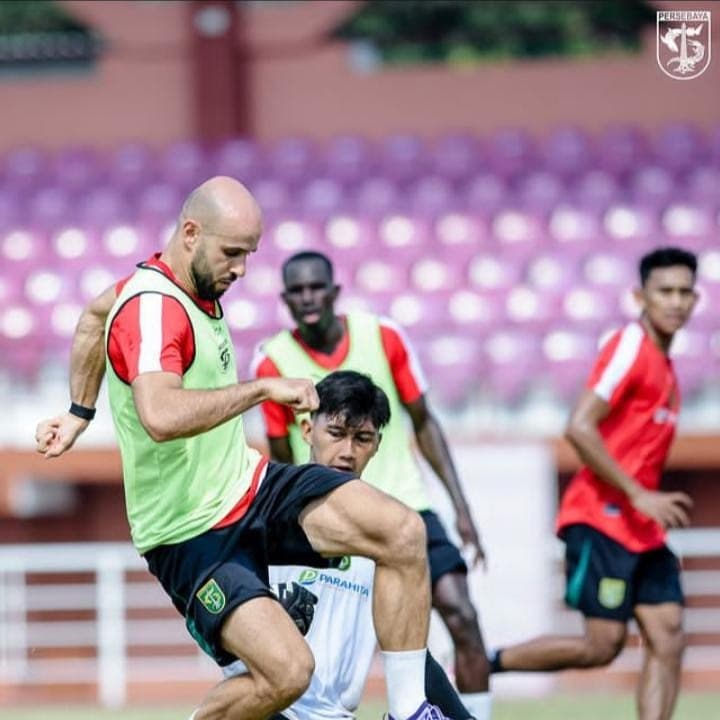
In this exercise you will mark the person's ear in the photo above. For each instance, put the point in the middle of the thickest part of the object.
(639, 297)
(306, 427)
(190, 232)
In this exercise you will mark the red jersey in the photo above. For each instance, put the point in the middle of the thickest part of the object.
(404, 366)
(152, 333)
(638, 382)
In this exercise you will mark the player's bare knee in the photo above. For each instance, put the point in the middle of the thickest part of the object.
(669, 644)
(407, 544)
(282, 688)
(602, 650)
(461, 621)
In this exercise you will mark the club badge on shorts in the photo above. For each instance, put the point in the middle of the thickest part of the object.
(211, 596)
(611, 592)
(683, 43)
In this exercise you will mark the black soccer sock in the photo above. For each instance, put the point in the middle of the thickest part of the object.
(439, 690)
(496, 662)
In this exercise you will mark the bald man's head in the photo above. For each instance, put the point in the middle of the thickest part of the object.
(219, 227)
(220, 200)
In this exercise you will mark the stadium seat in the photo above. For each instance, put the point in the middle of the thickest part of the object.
(402, 158)
(239, 158)
(349, 158)
(454, 365)
(567, 152)
(456, 156)
(511, 152)
(293, 160)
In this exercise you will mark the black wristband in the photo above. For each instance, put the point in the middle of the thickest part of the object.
(81, 411)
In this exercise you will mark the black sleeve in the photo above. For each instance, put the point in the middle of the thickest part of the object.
(439, 690)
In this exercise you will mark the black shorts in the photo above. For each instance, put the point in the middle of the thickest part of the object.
(209, 575)
(443, 556)
(605, 580)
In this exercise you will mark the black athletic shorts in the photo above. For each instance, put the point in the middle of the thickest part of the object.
(443, 556)
(209, 575)
(605, 580)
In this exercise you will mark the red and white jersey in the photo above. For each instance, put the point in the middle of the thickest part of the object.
(638, 382)
(151, 333)
(402, 359)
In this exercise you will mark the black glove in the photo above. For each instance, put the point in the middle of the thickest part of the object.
(299, 603)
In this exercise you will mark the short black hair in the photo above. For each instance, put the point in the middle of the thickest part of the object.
(354, 398)
(307, 255)
(666, 257)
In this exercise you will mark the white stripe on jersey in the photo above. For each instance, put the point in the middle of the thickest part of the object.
(151, 329)
(621, 361)
(413, 360)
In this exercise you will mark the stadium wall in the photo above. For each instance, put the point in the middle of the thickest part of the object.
(144, 86)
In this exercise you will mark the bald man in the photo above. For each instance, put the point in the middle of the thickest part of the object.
(206, 511)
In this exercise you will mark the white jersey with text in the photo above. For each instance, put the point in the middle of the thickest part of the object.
(341, 637)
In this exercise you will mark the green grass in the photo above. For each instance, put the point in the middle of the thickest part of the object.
(692, 706)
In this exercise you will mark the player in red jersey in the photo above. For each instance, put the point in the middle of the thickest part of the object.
(613, 517)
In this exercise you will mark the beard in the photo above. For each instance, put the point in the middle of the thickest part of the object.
(203, 279)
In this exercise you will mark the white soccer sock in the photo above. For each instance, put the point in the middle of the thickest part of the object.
(479, 704)
(405, 680)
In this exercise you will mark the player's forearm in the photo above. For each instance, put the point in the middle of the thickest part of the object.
(87, 359)
(434, 448)
(171, 413)
(589, 445)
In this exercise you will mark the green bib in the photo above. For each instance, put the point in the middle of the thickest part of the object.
(178, 489)
(394, 469)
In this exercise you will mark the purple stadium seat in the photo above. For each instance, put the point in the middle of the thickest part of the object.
(458, 236)
(402, 158)
(456, 156)
(25, 168)
(380, 276)
(512, 151)
(435, 274)
(511, 357)
(689, 352)
(293, 160)
(609, 269)
(238, 158)
(132, 165)
(77, 169)
(251, 316)
(705, 315)
(321, 197)
(540, 191)
(273, 195)
(567, 152)
(424, 316)
(702, 185)
(519, 235)
(287, 235)
(551, 274)
(631, 229)
(22, 248)
(621, 149)
(590, 306)
(124, 245)
(596, 190)
(49, 206)
(264, 281)
(690, 226)
(104, 205)
(453, 365)
(376, 196)
(678, 147)
(11, 210)
(431, 195)
(183, 165)
(574, 231)
(472, 312)
(72, 247)
(653, 186)
(20, 341)
(97, 277)
(528, 307)
(403, 237)
(349, 158)
(488, 273)
(485, 194)
(568, 356)
(349, 238)
(160, 202)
